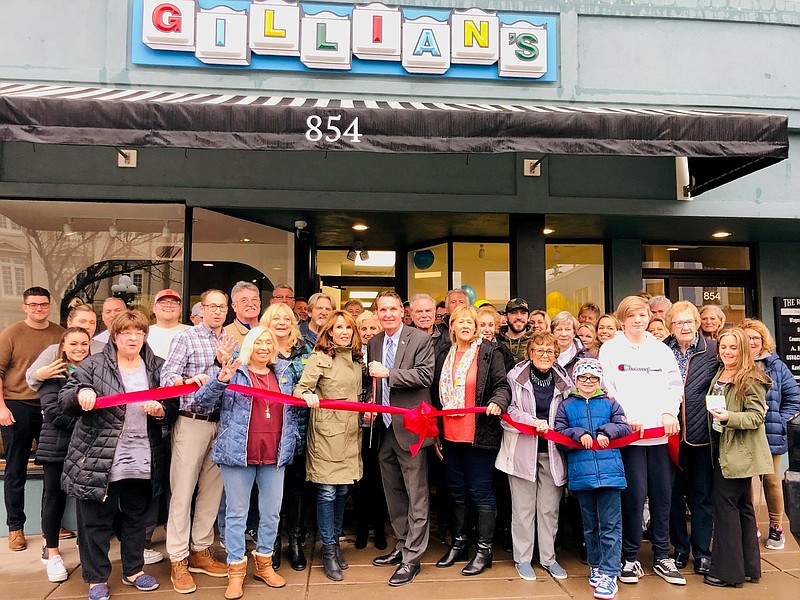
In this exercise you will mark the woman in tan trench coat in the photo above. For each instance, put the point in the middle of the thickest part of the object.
(334, 371)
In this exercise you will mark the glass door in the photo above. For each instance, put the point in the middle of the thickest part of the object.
(734, 297)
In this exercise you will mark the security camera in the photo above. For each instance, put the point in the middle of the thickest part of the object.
(300, 224)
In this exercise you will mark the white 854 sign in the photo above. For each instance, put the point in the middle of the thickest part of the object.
(332, 129)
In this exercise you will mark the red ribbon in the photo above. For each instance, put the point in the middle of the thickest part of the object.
(421, 420)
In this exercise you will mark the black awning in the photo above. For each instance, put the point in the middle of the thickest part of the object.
(720, 146)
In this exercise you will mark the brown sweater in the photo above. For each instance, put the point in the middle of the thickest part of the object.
(20, 345)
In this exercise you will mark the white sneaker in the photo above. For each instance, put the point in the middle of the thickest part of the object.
(56, 571)
(152, 557)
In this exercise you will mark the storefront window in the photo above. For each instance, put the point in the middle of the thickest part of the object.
(226, 250)
(79, 250)
(482, 271)
(696, 258)
(427, 272)
(574, 274)
(349, 274)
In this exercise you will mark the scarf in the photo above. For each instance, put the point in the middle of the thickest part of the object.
(452, 387)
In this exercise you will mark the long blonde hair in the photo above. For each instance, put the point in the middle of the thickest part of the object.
(747, 372)
(269, 315)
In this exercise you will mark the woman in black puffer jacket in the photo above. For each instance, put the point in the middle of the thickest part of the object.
(116, 455)
(52, 447)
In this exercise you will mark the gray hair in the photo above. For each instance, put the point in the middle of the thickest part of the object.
(423, 297)
(312, 301)
(714, 308)
(564, 317)
(283, 286)
(660, 301)
(457, 291)
(242, 286)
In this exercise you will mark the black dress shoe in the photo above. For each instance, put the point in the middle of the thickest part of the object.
(702, 565)
(404, 574)
(753, 579)
(395, 557)
(681, 559)
(716, 582)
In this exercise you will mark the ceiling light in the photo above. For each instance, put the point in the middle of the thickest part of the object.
(112, 229)
(360, 227)
(68, 227)
(165, 231)
(548, 231)
(245, 240)
(481, 252)
(363, 255)
(351, 255)
(208, 264)
(721, 234)
(364, 295)
(673, 249)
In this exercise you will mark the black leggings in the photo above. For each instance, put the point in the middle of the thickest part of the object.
(54, 501)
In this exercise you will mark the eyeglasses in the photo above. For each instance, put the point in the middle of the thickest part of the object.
(541, 353)
(588, 378)
(682, 324)
(249, 301)
(36, 305)
(131, 334)
(216, 307)
(169, 303)
(754, 338)
(283, 297)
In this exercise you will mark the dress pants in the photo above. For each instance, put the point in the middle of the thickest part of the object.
(736, 553)
(405, 483)
(17, 443)
(693, 486)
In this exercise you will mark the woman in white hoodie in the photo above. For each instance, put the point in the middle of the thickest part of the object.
(641, 373)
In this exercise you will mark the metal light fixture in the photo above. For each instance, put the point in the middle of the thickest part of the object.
(68, 227)
(166, 231)
(481, 252)
(351, 255)
(112, 229)
(364, 255)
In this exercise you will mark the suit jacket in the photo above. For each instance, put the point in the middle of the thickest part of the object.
(409, 379)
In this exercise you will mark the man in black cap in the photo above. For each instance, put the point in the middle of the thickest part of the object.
(517, 336)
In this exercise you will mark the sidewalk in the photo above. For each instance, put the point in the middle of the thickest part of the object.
(22, 577)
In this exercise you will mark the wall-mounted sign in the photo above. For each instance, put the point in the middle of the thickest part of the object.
(375, 39)
(787, 332)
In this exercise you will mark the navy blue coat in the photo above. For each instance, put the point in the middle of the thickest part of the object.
(590, 469)
(783, 402)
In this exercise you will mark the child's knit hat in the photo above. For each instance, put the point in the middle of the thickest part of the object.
(588, 366)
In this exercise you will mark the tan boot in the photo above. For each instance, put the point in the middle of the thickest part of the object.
(205, 562)
(236, 573)
(17, 541)
(182, 581)
(265, 572)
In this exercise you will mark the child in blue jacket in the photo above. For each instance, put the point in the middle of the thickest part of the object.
(597, 478)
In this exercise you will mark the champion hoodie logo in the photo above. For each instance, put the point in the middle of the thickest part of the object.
(624, 367)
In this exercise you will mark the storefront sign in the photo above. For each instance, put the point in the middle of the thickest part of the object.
(374, 39)
(787, 332)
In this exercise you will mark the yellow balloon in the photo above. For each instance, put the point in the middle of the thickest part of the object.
(556, 300)
(439, 299)
(552, 312)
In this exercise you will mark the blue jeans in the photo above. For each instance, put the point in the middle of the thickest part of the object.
(602, 528)
(330, 511)
(238, 483)
(469, 473)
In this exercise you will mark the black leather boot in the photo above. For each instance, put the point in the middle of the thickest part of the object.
(483, 558)
(331, 565)
(296, 555)
(459, 549)
(340, 557)
(276, 553)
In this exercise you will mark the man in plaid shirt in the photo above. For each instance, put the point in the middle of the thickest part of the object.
(191, 356)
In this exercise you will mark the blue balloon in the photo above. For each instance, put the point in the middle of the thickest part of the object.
(423, 259)
(471, 294)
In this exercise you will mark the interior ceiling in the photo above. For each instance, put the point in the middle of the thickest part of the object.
(405, 229)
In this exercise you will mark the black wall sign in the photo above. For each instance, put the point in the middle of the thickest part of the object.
(787, 332)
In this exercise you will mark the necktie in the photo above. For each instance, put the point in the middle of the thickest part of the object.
(388, 362)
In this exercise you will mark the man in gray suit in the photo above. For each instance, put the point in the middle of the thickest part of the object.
(403, 369)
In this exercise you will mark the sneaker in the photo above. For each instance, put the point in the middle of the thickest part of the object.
(142, 582)
(556, 571)
(666, 569)
(99, 592)
(525, 571)
(606, 588)
(776, 539)
(631, 571)
(152, 557)
(594, 576)
(56, 571)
